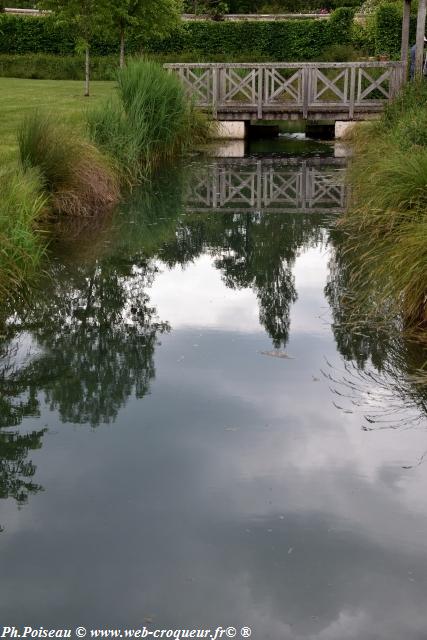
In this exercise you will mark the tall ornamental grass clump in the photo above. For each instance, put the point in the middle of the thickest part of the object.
(386, 224)
(22, 206)
(151, 120)
(78, 178)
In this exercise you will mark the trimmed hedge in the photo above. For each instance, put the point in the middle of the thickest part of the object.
(209, 40)
(284, 40)
(388, 29)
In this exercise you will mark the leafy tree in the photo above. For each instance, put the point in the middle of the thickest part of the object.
(153, 17)
(88, 17)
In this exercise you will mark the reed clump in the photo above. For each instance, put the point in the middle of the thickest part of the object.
(386, 222)
(150, 121)
(80, 181)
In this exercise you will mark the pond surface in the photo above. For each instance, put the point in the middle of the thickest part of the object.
(190, 434)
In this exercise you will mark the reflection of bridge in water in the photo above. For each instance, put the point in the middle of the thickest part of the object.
(285, 185)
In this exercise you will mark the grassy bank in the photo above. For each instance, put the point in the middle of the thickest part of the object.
(385, 250)
(62, 154)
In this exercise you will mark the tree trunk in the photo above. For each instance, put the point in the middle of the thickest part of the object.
(87, 71)
(122, 48)
(421, 26)
(405, 37)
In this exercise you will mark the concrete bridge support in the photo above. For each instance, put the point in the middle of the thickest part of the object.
(231, 130)
(343, 128)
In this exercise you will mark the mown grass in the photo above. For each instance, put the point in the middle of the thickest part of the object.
(64, 98)
(386, 224)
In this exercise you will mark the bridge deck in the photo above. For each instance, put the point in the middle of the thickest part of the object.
(287, 91)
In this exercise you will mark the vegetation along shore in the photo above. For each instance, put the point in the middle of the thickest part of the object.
(72, 161)
(384, 251)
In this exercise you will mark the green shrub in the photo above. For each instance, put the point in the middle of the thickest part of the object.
(388, 29)
(363, 36)
(79, 180)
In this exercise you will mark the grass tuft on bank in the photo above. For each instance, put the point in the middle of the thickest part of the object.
(22, 208)
(150, 121)
(386, 224)
(78, 178)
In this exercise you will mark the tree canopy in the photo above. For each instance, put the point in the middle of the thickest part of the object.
(154, 17)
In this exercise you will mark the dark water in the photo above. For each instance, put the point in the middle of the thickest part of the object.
(162, 466)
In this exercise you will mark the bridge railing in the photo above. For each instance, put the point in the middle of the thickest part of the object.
(280, 186)
(300, 88)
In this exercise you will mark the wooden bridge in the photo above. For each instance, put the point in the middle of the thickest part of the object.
(292, 91)
(282, 185)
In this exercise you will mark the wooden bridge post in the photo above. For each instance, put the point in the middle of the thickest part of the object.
(405, 37)
(215, 86)
(305, 91)
(260, 91)
(352, 97)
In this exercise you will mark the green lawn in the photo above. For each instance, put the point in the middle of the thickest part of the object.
(63, 98)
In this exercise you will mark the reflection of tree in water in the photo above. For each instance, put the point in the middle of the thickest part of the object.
(252, 251)
(16, 471)
(96, 333)
(85, 341)
(383, 369)
(91, 328)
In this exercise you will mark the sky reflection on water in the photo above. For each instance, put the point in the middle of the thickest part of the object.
(185, 476)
